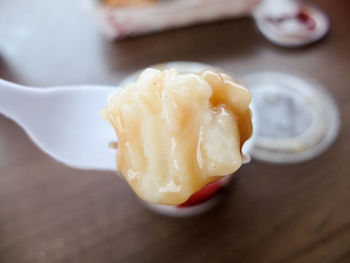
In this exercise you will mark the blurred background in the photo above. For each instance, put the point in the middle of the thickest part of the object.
(273, 212)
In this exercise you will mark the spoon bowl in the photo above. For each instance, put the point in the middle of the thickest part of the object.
(64, 122)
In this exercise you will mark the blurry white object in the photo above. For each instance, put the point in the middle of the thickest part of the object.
(291, 23)
(64, 122)
(120, 22)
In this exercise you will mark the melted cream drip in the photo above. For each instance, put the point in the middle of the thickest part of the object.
(179, 132)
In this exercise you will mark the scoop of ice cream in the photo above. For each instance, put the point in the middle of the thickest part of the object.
(179, 132)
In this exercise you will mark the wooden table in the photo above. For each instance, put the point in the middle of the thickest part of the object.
(274, 213)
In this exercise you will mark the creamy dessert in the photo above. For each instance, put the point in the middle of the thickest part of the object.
(179, 132)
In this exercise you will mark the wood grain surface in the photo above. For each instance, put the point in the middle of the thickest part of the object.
(273, 213)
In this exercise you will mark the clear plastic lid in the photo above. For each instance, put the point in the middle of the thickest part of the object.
(295, 119)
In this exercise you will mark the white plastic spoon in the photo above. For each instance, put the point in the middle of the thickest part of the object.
(64, 122)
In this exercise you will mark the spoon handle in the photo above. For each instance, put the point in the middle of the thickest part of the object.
(15, 98)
